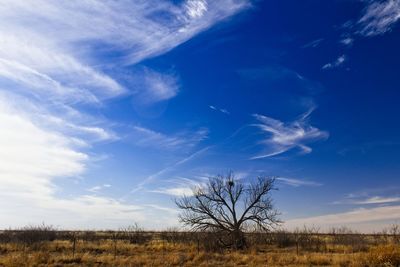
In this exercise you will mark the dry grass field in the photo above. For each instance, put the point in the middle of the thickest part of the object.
(42, 246)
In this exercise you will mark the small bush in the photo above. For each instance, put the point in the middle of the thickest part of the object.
(89, 236)
(174, 236)
(284, 239)
(134, 234)
(6, 236)
(347, 237)
(211, 241)
(31, 235)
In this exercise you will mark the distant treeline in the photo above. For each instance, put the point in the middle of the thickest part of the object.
(305, 239)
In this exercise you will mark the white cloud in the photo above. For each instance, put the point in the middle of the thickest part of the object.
(196, 8)
(313, 44)
(347, 41)
(338, 62)
(354, 199)
(80, 212)
(379, 17)
(34, 152)
(363, 219)
(32, 159)
(55, 59)
(95, 188)
(98, 188)
(84, 131)
(60, 49)
(193, 17)
(152, 86)
(53, 72)
(149, 138)
(219, 109)
(171, 168)
(57, 117)
(174, 191)
(378, 200)
(185, 186)
(297, 182)
(161, 87)
(172, 211)
(95, 207)
(145, 28)
(282, 137)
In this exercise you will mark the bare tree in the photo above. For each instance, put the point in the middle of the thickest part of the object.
(228, 207)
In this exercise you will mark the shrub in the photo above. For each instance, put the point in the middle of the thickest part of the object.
(89, 236)
(174, 236)
(6, 236)
(347, 237)
(284, 239)
(394, 231)
(134, 234)
(36, 234)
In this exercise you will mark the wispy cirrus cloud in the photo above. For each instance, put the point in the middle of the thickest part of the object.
(170, 169)
(69, 46)
(98, 188)
(222, 110)
(364, 219)
(174, 191)
(373, 196)
(141, 29)
(297, 182)
(377, 200)
(58, 63)
(281, 137)
(347, 41)
(149, 86)
(145, 137)
(196, 8)
(314, 43)
(337, 63)
(279, 76)
(379, 17)
(182, 186)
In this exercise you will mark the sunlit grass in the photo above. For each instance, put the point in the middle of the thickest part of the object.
(158, 252)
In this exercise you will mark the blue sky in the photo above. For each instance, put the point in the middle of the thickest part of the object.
(111, 109)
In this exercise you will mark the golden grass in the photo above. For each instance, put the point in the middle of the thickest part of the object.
(161, 253)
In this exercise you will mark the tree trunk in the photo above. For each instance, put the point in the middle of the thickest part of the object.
(239, 241)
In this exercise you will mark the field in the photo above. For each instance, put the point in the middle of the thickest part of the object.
(43, 246)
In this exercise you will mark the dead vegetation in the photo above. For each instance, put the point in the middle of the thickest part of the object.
(44, 246)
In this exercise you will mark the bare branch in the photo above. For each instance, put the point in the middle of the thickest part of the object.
(217, 207)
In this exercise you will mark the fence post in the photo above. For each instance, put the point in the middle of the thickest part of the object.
(73, 245)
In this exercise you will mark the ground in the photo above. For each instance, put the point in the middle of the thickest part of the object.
(157, 249)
